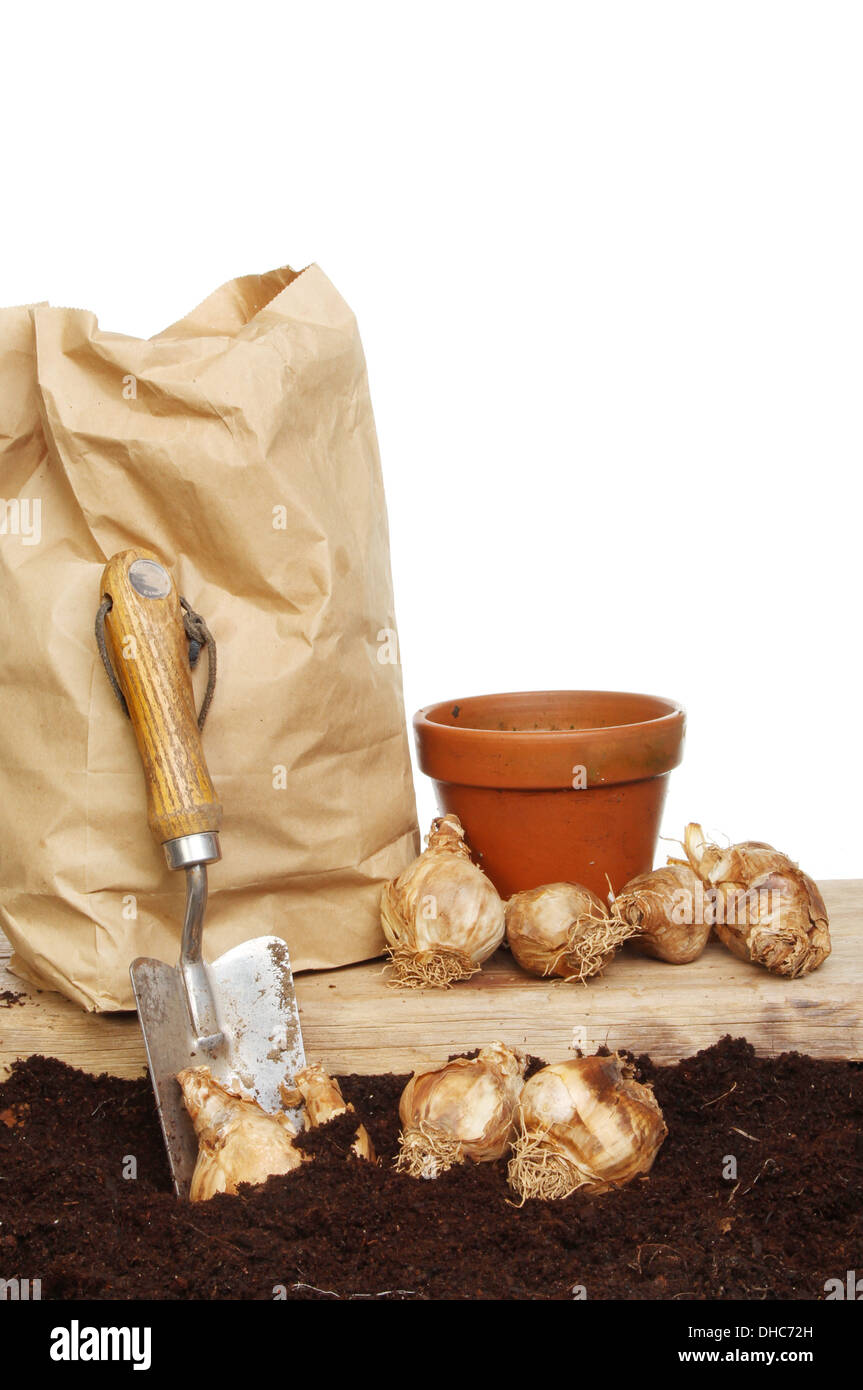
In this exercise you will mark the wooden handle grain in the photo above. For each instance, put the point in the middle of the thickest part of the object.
(149, 651)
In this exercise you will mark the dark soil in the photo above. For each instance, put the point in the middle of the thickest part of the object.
(340, 1228)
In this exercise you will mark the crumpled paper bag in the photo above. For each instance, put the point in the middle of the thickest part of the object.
(239, 445)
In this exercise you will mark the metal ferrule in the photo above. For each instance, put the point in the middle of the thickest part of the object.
(187, 850)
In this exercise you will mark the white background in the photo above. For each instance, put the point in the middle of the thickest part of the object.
(607, 261)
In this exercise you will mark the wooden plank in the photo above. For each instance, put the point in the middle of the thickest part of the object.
(353, 1022)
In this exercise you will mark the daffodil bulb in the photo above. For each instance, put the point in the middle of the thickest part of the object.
(766, 909)
(441, 917)
(563, 929)
(238, 1142)
(779, 921)
(464, 1109)
(669, 911)
(585, 1123)
(323, 1100)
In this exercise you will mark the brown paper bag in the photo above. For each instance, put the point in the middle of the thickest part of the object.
(240, 446)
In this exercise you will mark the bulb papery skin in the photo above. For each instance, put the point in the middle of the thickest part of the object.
(779, 921)
(585, 1123)
(442, 917)
(323, 1101)
(562, 929)
(464, 1109)
(741, 863)
(768, 911)
(238, 1142)
(669, 908)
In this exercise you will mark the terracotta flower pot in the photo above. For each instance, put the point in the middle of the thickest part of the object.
(554, 785)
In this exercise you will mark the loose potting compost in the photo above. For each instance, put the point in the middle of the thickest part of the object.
(756, 1193)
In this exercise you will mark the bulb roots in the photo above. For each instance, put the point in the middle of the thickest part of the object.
(426, 1152)
(428, 969)
(588, 951)
(538, 1172)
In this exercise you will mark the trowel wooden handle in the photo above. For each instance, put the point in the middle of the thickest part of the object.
(149, 651)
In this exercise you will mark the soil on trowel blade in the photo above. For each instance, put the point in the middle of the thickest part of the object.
(86, 1204)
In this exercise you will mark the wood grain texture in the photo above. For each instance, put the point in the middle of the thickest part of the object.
(353, 1023)
(150, 654)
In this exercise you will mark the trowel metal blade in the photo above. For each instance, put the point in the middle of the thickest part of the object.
(263, 1046)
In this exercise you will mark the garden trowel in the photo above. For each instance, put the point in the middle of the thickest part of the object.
(237, 1015)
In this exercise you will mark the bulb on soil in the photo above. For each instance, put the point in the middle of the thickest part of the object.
(323, 1101)
(585, 1123)
(463, 1109)
(441, 917)
(237, 1140)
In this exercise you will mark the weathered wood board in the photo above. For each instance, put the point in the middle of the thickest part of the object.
(353, 1022)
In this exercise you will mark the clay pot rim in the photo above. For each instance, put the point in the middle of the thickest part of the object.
(425, 715)
(543, 758)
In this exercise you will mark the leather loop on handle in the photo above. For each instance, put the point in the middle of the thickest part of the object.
(147, 644)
